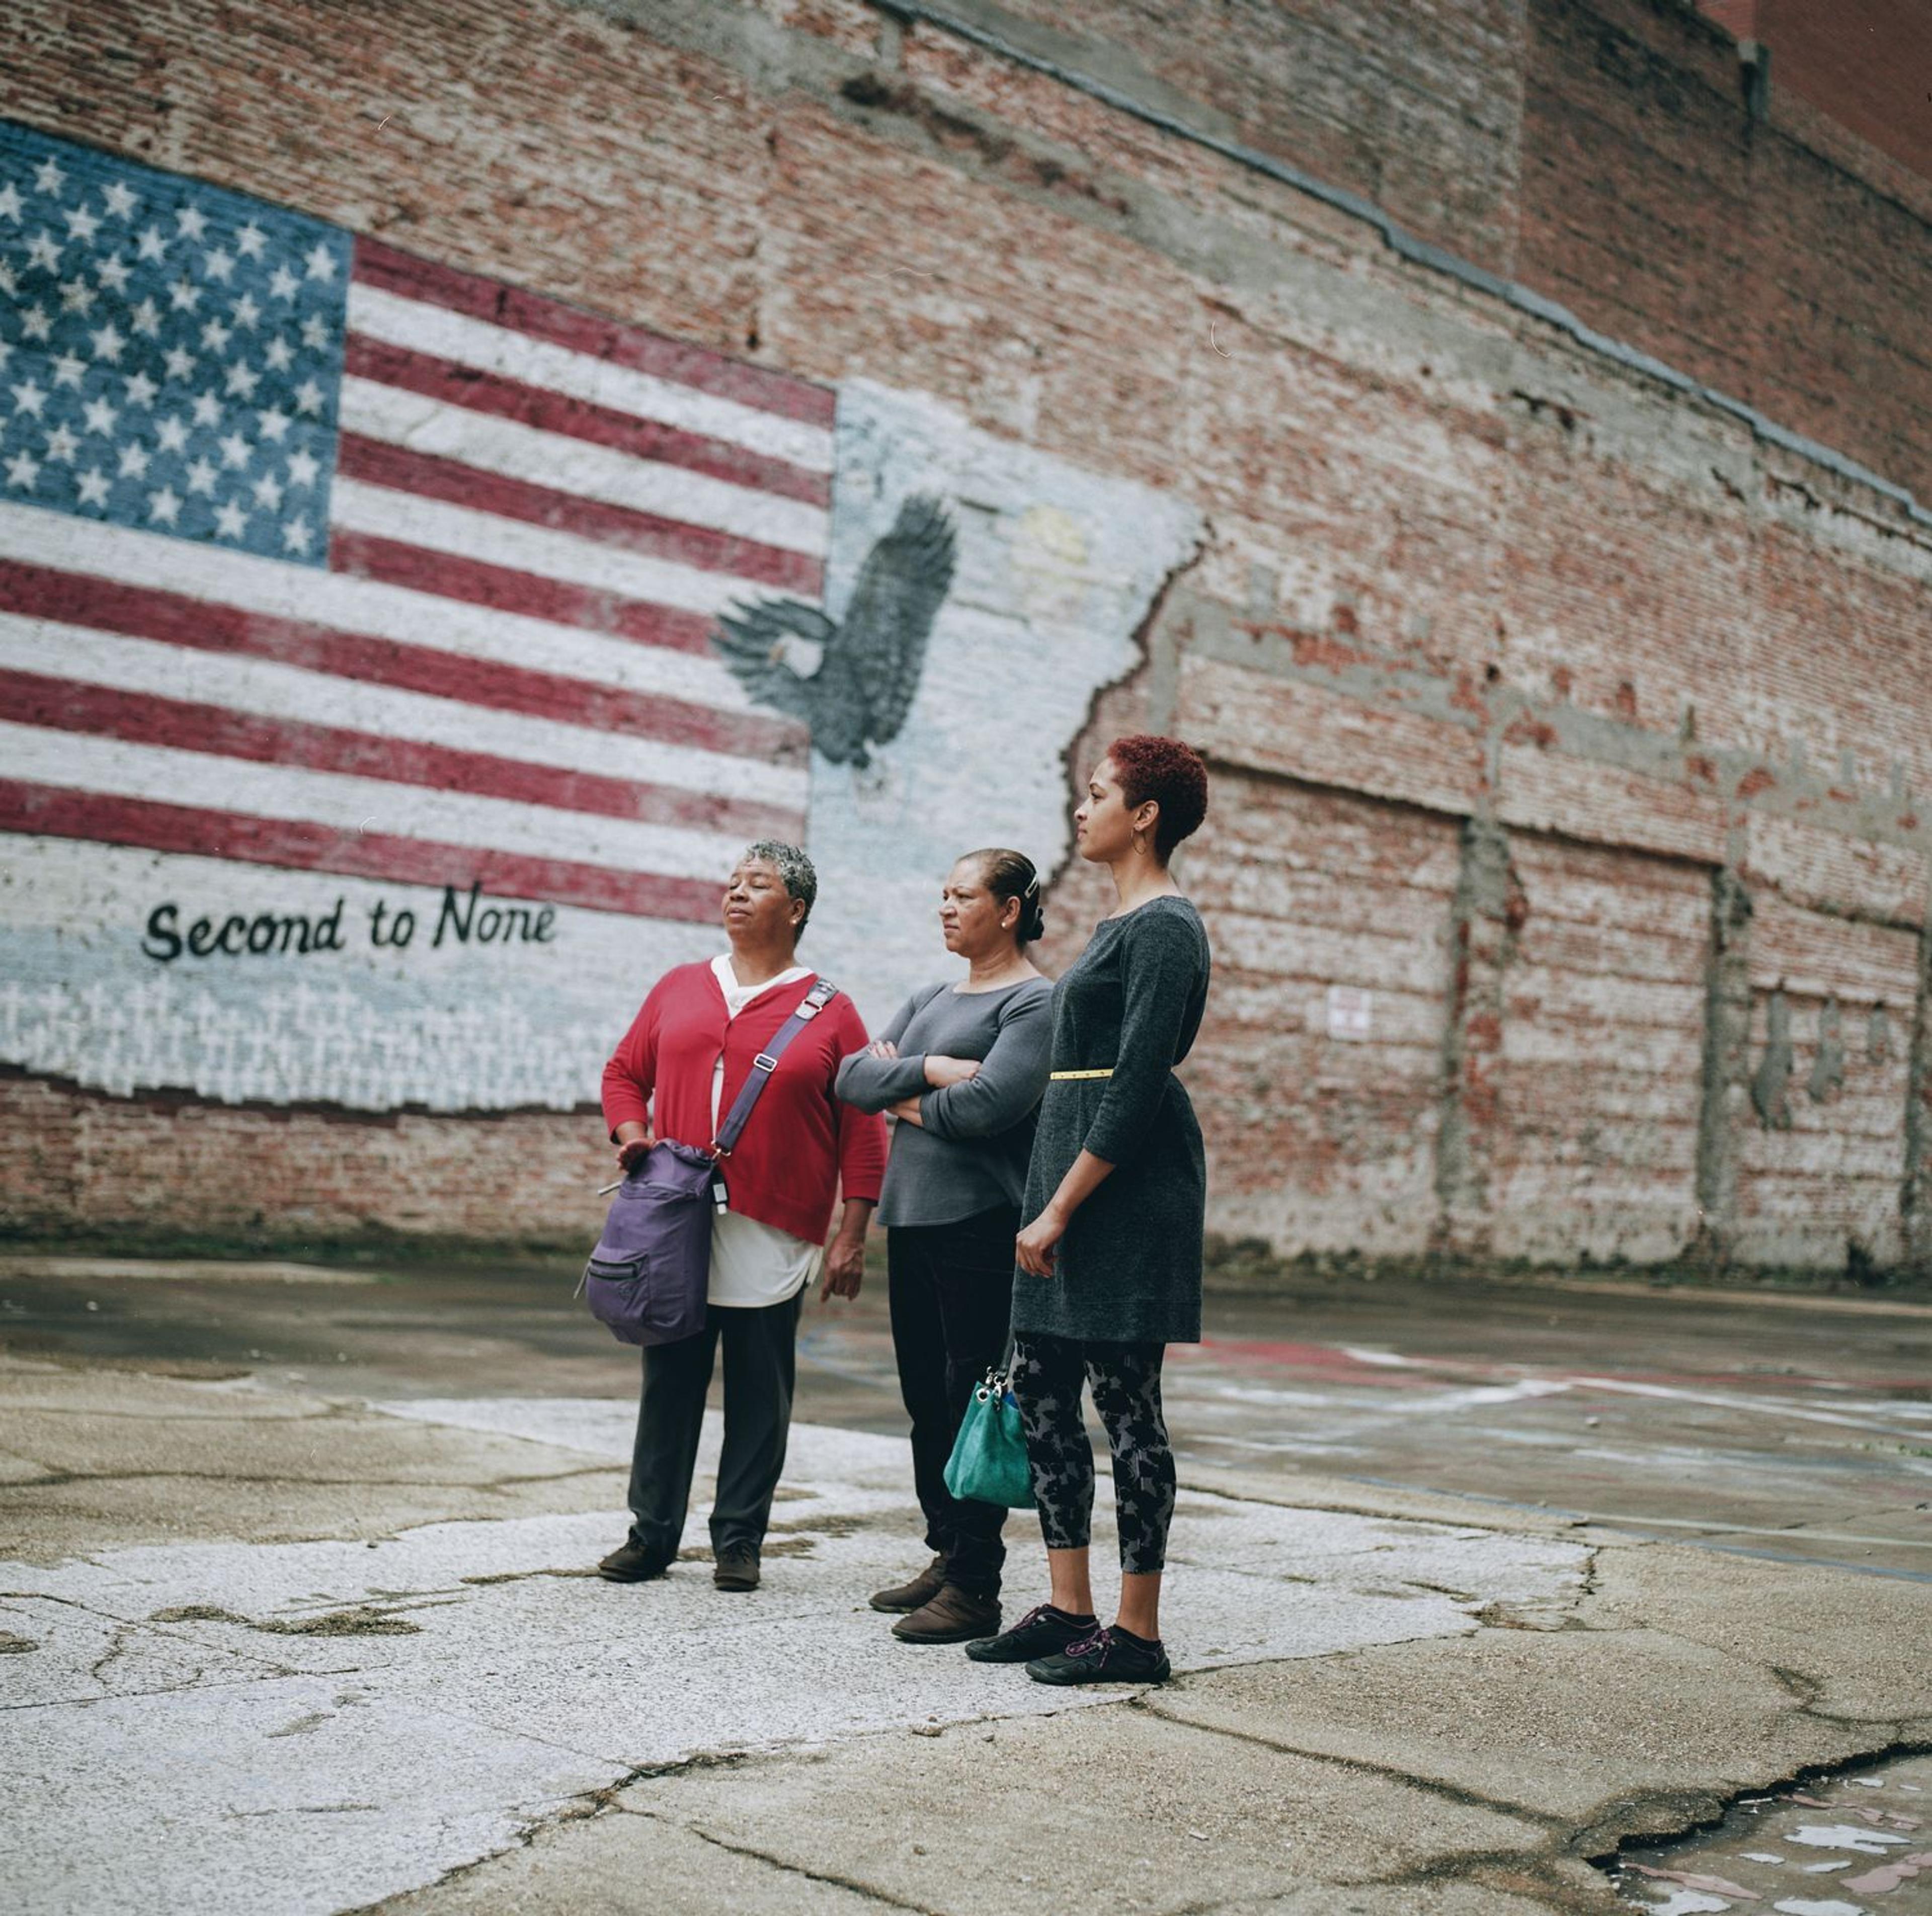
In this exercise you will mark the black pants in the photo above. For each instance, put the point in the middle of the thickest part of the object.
(1125, 1379)
(760, 1352)
(951, 1291)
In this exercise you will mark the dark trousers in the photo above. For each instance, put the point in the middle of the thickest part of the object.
(760, 1365)
(951, 1287)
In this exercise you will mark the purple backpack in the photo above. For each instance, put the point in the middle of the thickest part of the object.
(650, 1274)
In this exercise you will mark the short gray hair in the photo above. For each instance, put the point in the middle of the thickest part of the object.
(801, 881)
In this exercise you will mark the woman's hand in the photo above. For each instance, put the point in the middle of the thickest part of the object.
(844, 1268)
(882, 1047)
(1033, 1248)
(941, 1071)
(907, 1112)
(633, 1145)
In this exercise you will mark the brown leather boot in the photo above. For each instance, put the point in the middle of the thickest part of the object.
(954, 1616)
(915, 1591)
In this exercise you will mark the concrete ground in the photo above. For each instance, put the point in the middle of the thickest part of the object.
(1468, 1589)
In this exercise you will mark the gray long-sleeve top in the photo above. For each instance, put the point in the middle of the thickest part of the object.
(969, 1154)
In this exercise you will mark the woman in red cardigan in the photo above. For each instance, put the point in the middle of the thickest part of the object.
(681, 1064)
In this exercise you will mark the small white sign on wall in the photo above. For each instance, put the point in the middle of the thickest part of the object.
(1350, 1008)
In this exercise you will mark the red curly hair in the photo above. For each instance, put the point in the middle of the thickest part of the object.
(1172, 775)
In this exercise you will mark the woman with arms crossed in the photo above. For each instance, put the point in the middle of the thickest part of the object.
(682, 1064)
(1110, 1260)
(963, 1066)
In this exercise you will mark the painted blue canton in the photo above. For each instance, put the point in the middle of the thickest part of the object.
(170, 353)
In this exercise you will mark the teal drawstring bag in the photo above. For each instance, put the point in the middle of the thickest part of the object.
(988, 1464)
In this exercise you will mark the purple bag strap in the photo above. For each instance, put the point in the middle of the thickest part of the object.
(814, 1001)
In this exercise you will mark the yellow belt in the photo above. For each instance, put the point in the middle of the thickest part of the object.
(1066, 1077)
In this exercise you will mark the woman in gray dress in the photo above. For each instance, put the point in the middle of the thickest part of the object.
(1110, 1258)
(962, 1065)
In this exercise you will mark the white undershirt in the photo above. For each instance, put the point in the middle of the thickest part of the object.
(753, 1264)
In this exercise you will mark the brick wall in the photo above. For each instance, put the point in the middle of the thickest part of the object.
(1500, 650)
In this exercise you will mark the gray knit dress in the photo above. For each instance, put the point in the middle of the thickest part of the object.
(1128, 1269)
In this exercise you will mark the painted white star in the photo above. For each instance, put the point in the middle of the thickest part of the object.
(231, 520)
(218, 265)
(302, 470)
(235, 451)
(69, 370)
(295, 536)
(28, 397)
(62, 445)
(246, 311)
(280, 355)
(268, 492)
(249, 240)
(77, 296)
(283, 283)
(315, 332)
(207, 409)
(10, 201)
(24, 470)
(242, 381)
(44, 250)
(49, 178)
(274, 424)
(99, 416)
(112, 274)
(171, 435)
(190, 222)
(141, 389)
(321, 262)
(163, 507)
(308, 398)
(93, 487)
(201, 477)
(108, 342)
(178, 361)
(146, 319)
(215, 336)
(184, 297)
(151, 245)
(134, 460)
(81, 224)
(36, 323)
(120, 200)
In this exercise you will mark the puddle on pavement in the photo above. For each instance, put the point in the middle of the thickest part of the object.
(1858, 1843)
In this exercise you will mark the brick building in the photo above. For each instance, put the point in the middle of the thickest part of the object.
(1493, 432)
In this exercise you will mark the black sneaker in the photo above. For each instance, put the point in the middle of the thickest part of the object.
(1103, 1656)
(632, 1562)
(736, 1566)
(1040, 1632)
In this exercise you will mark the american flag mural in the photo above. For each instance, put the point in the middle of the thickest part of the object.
(321, 561)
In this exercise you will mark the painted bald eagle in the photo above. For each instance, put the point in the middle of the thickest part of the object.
(853, 682)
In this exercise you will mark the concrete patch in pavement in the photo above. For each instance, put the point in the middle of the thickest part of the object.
(1563, 1726)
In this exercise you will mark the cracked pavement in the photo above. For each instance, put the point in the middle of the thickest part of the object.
(326, 1641)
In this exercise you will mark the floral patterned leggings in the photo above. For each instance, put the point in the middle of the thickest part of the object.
(1125, 1379)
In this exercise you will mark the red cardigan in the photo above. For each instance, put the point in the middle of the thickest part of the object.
(803, 1142)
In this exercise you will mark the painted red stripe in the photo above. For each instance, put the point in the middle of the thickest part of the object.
(431, 476)
(37, 592)
(455, 385)
(377, 265)
(66, 705)
(54, 813)
(503, 588)
(404, 470)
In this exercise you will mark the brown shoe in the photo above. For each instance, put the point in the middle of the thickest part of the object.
(954, 1616)
(916, 1592)
(736, 1568)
